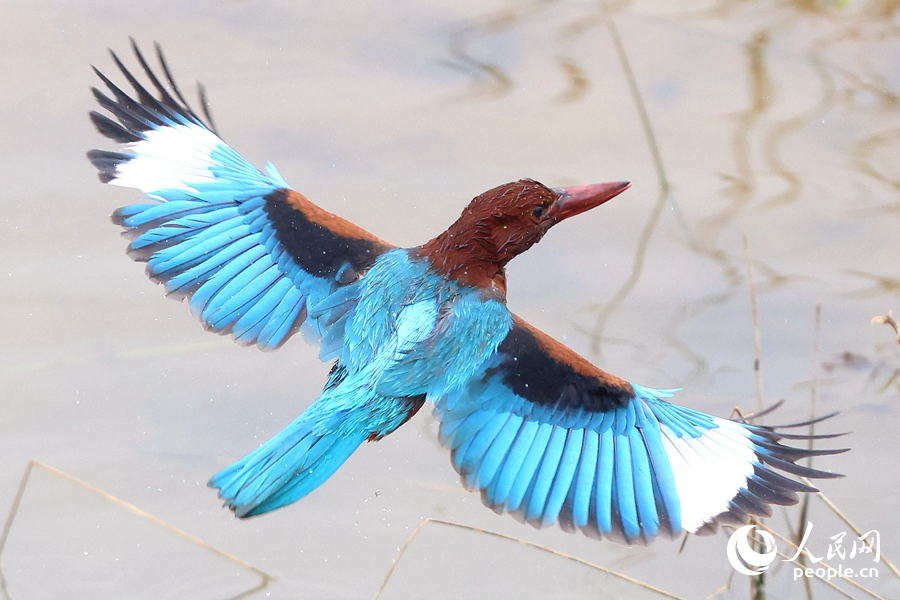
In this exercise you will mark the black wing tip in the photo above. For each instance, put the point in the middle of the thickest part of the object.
(115, 58)
(784, 456)
(793, 453)
(207, 111)
(788, 466)
(809, 422)
(111, 129)
(760, 494)
(107, 163)
(748, 419)
(140, 110)
(773, 480)
(805, 436)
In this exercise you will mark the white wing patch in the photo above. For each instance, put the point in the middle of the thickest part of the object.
(709, 470)
(172, 157)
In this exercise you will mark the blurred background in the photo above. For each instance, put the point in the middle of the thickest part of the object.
(770, 121)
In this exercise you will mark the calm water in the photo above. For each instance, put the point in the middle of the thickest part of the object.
(777, 121)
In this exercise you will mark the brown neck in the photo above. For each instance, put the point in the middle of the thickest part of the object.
(463, 257)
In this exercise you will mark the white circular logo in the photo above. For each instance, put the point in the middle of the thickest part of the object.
(745, 559)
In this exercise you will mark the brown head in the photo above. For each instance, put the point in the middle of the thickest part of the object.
(504, 222)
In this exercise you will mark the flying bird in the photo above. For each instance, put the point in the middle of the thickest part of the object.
(538, 430)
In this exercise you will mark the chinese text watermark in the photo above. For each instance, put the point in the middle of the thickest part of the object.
(750, 560)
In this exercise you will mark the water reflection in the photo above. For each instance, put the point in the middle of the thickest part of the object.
(489, 78)
(777, 120)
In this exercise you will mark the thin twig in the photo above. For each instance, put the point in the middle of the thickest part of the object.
(757, 341)
(890, 565)
(510, 538)
(757, 584)
(665, 189)
(824, 565)
(265, 578)
(813, 397)
(8, 525)
(814, 380)
(725, 587)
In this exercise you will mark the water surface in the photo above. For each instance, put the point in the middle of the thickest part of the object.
(774, 121)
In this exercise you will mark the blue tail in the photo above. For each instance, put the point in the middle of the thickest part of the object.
(287, 467)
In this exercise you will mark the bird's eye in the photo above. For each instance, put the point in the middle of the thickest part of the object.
(538, 211)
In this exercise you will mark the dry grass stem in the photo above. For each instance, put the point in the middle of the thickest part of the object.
(265, 578)
(821, 563)
(887, 562)
(510, 538)
(757, 338)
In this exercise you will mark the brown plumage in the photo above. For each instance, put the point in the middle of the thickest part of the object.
(502, 223)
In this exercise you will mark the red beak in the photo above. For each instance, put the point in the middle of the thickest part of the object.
(571, 201)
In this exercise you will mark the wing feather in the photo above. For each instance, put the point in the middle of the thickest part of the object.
(248, 251)
(550, 438)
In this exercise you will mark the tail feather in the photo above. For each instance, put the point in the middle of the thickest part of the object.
(284, 469)
(339, 450)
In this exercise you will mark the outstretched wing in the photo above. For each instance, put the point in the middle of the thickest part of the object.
(256, 258)
(547, 436)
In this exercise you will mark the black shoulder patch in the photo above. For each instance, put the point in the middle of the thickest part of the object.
(532, 373)
(317, 249)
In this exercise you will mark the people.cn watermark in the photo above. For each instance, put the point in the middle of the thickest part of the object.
(744, 558)
(752, 554)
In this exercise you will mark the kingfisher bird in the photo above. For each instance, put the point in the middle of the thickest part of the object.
(538, 430)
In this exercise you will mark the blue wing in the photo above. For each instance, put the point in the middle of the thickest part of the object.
(256, 258)
(548, 437)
